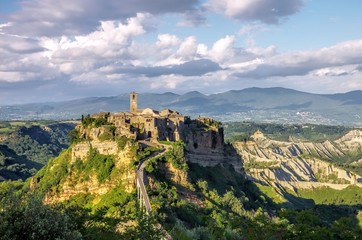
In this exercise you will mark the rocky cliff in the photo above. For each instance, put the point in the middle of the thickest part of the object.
(89, 167)
(301, 164)
(204, 139)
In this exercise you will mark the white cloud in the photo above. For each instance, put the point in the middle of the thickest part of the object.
(267, 11)
(56, 18)
(222, 50)
(167, 40)
(188, 48)
(18, 45)
(301, 63)
(335, 71)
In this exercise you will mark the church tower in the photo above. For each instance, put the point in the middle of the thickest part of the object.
(133, 99)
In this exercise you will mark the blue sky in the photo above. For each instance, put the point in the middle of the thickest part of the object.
(57, 50)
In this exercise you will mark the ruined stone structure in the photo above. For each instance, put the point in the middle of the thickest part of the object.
(143, 124)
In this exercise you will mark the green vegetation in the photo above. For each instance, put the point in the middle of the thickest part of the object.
(121, 142)
(101, 165)
(74, 137)
(240, 131)
(271, 193)
(230, 207)
(219, 204)
(108, 134)
(115, 216)
(15, 167)
(11, 126)
(214, 203)
(88, 121)
(39, 144)
(261, 164)
(54, 173)
(23, 216)
(174, 155)
(351, 195)
(26, 146)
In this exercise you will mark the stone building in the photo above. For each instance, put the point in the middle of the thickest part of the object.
(203, 137)
(147, 123)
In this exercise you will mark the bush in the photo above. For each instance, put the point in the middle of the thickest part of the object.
(176, 156)
(25, 217)
(54, 173)
(108, 134)
(102, 164)
(121, 142)
(74, 137)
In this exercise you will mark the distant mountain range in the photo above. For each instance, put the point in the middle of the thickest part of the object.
(252, 104)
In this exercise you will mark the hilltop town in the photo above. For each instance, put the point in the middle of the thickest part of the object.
(203, 136)
(147, 123)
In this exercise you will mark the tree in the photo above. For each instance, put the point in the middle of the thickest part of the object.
(26, 217)
(147, 229)
(73, 136)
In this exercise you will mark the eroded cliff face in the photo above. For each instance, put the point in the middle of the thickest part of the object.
(86, 179)
(92, 133)
(299, 164)
(204, 139)
(207, 148)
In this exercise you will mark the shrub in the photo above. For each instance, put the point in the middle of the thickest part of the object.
(176, 156)
(102, 164)
(108, 134)
(121, 142)
(27, 218)
(73, 136)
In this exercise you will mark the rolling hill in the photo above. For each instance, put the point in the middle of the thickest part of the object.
(278, 105)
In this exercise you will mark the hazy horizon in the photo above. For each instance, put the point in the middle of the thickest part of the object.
(164, 92)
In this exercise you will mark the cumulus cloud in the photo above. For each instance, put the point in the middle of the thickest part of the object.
(188, 48)
(167, 40)
(223, 49)
(56, 18)
(267, 11)
(111, 41)
(301, 63)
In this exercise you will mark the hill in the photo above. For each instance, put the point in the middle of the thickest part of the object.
(25, 147)
(277, 105)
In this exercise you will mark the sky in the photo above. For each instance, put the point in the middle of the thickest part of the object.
(53, 50)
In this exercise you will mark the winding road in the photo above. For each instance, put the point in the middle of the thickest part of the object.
(140, 181)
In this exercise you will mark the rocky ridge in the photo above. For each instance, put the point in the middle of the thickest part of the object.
(295, 164)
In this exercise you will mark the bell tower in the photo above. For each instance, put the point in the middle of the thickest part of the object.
(133, 99)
